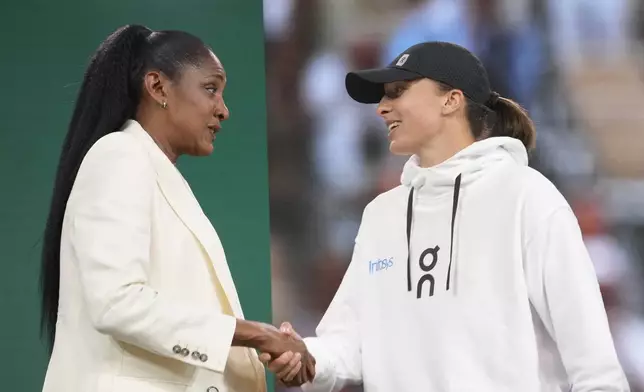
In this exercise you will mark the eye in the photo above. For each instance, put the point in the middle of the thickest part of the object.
(212, 90)
(394, 91)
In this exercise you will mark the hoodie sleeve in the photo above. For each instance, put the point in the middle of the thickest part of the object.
(336, 347)
(565, 293)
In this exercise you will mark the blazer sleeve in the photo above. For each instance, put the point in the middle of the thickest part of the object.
(109, 223)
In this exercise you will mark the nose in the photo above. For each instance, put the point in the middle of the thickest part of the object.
(222, 111)
(383, 107)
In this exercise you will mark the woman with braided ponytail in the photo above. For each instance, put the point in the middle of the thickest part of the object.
(137, 295)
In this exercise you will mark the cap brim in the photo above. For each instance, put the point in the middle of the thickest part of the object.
(368, 86)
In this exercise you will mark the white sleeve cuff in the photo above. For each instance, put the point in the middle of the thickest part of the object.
(324, 371)
(210, 351)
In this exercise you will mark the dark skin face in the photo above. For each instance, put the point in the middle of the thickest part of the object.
(194, 108)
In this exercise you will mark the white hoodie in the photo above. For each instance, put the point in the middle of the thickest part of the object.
(521, 311)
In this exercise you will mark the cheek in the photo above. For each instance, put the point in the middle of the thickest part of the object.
(416, 120)
(194, 110)
(425, 119)
(199, 102)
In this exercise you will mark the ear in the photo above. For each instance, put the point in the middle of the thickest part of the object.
(454, 100)
(156, 84)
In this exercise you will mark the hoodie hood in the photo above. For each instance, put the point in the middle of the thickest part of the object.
(465, 167)
(471, 163)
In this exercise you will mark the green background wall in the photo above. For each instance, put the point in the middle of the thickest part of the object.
(44, 48)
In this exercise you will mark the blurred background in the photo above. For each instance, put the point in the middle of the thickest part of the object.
(576, 65)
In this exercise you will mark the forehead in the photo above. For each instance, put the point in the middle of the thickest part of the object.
(209, 67)
(417, 86)
(409, 83)
(392, 87)
(400, 83)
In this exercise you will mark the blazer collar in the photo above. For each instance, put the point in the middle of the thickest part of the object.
(180, 197)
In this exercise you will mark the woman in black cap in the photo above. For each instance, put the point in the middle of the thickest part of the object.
(472, 274)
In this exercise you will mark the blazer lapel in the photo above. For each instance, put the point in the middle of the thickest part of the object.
(180, 197)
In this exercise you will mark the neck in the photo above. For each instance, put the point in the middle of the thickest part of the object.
(444, 146)
(158, 130)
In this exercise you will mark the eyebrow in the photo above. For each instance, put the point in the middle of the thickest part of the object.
(221, 75)
(396, 85)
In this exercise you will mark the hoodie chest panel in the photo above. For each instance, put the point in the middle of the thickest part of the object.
(486, 270)
(385, 258)
(488, 248)
(486, 309)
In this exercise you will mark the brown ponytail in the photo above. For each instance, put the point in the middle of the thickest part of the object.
(499, 117)
(512, 120)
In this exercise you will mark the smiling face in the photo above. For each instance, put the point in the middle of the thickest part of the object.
(196, 106)
(414, 112)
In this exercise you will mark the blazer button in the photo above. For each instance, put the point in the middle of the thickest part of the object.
(176, 349)
(203, 358)
(212, 389)
(195, 354)
(185, 352)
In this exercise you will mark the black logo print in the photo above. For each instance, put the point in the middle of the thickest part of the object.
(427, 268)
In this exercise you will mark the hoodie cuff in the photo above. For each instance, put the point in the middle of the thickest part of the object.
(323, 368)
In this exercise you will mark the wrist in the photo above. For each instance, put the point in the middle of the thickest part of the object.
(248, 334)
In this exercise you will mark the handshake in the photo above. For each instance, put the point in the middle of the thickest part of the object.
(282, 350)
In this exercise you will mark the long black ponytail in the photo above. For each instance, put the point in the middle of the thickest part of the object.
(510, 119)
(109, 95)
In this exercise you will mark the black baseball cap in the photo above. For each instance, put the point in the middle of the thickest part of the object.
(440, 61)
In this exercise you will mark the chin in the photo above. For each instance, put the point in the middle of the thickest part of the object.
(207, 151)
(203, 151)
(398, 148)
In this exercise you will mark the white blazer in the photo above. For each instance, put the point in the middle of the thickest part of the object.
(147, 302)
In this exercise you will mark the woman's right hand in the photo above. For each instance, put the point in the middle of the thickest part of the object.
(284, 350)
(288, 369)
(275, 342)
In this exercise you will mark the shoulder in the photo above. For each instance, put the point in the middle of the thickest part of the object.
(385, 208)
(387, 201)
(381, 210)
(538, 192)
(117, 143)
(540, 201)
(115, 169)
(116, 160)
(115, 152)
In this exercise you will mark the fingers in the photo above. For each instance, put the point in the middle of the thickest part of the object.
(310, 368)
(295, 362)
(289, 372)
(278, 364)
(301, 377)
(298, 379)
(264, 358)
(291, 368)
(286, 327)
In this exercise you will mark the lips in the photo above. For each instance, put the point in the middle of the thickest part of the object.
(214, 129)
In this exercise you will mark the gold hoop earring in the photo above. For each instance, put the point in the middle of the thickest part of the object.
(164, 104)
